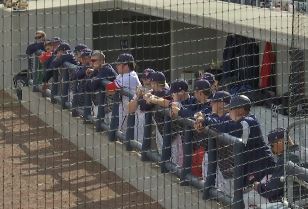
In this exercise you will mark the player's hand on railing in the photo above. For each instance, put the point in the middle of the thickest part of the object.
(175, 109)
(140, 91)
(45, 86)
(256, 185)
(148, 97)
(89, 71)
(199, 122)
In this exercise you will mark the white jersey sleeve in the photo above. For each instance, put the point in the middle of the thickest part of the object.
(246, 131)
(128, 80)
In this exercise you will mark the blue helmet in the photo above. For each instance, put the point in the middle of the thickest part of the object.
(239, 101)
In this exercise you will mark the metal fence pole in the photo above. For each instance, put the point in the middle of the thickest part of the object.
(130, 131)
(114, 124)
(166, 148)
(238, 176)
(100, 111)
(212, 167)
(64, 87)
(187, 153)
(146, 143)
(35, 74)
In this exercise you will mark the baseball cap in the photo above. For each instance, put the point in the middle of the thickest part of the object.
(278, 133)
(201, 85)
(125, 58)
(85, 52)
(209, 77)
(178, 85)
(47, 42)
(55, 39)
(239, 101)
(221, 96)
(158, 77)
(147, 72)
(63, 47)
(80, 47)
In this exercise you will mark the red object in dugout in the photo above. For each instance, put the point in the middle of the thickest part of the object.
(197, 160)
(266, 68)
(112, 86)
(45, 56)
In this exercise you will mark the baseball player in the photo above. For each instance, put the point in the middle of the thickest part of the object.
(273, 189)
(128, 79)
(219, 104)
(201, 95)
(138, 107)
(98, 71)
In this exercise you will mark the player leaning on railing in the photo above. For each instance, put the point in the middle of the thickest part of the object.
(219, 103)
(99, 70)
(63, 54)
(159, 95)
(128, 79)
(258, 158)
(273, 189)
(199, 103)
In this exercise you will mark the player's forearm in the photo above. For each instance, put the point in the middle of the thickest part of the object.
(132, 106)
(160, 102)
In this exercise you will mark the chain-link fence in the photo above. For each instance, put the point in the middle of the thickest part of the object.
(153, 104)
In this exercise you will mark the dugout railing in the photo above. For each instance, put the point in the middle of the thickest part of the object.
(295, 173)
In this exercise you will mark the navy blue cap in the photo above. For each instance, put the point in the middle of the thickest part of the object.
(47, 42)
(86, 52)
(158, 77)
(178, 85)
(202, 85)
(147, 72)
(275, 134)
(55, 40)
(239, 101)
(80, 47)
(125, 58)
(209, 77)
(63, 47)
(221, 96)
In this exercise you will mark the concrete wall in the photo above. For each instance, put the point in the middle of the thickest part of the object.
(192, 47)
(71, 23)
(282, 69)
(110, 29)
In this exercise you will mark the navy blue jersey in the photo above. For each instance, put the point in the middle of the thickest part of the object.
(34, 47)
(147, 107)
(274, 188)
(79, 72)
(95, 83)
(192, 106)
(257, 154)
(225, 155)
(67, 57)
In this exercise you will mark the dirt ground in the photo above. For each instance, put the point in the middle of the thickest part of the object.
(39, 169)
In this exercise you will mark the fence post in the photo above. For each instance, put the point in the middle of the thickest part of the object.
(166, 148)
(35, 73)
(146, 143)
(114, 124)
(187, 153)
(130, 131)
(65, 86)
(100, 111)
(212, 168)
(238, 176)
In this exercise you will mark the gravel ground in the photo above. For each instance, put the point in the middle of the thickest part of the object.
(40, 169)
